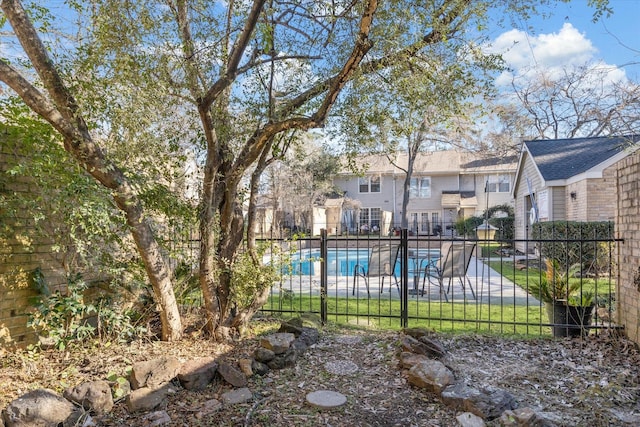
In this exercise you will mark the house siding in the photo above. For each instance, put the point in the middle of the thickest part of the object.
(558, 207)
(447, 175)
(488, 199)
(528, 171)
(438, 185)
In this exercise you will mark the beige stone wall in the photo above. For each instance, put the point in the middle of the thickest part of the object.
(22, 252)
(627, 218)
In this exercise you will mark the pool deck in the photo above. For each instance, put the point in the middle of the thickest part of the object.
(488, 285)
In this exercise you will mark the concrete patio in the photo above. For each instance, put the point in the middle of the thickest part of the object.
(488, 286)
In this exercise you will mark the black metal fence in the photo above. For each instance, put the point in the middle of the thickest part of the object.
(449, 282)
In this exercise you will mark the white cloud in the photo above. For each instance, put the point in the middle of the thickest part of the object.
(527, 54)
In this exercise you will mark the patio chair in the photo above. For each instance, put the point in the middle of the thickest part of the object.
(453, 264)
(382, 263)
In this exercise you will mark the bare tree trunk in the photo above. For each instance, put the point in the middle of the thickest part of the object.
(413, 150)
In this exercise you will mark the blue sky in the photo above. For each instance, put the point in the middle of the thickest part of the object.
(569, 37)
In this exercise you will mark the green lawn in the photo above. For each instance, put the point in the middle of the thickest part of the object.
(488, 248)
(603, 289)
(455, 317)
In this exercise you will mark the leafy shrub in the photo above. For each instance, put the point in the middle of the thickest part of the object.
(505, 227)
(61, 318)
(467, 226)
(68, 319)
(250, 278)
(116, 324)
(571, 242)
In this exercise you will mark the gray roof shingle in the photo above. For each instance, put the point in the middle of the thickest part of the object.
(564, 158)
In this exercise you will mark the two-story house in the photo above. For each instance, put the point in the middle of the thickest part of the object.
(445, 185)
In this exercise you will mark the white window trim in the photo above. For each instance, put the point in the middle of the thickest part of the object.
(419, 180)
(495, 180)
(368, 178)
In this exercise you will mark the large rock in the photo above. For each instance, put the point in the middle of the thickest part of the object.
(92, 396)
(234, 397)
(467, 419)
(309, 336)
(41, 408)
(147, 399)
(259, 368)
(461, 397)
(154, 373)
(431, 375)
(279, 342)
(263, 355)
(285, 360)
(486, 403)
(232, 375)
(408, 360)
(196, 374)
(294, 327)
(308, 320)
(424, 346)
(306, 338)
(417, 333)
(524, 417)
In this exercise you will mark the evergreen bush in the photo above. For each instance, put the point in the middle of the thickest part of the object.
(573, 242)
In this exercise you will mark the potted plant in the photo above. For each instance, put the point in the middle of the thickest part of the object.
(569, 307)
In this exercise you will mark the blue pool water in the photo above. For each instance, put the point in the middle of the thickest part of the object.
(341, 262)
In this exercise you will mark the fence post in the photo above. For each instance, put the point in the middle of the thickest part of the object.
(323, 276)
(404, 282)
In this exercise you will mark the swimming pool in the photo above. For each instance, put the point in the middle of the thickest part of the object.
(341, 262)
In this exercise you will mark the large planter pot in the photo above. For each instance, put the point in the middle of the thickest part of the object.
(569, 320)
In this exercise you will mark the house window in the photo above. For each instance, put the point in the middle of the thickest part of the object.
(499, 184)
(371, 217)
(420, 188)
(435, 223)
(414, 222)
(424, 223)
(369, 184)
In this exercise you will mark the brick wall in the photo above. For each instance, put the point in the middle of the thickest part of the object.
(601, 196)
(577, 207)
(628, 227)
(595, 198)
(23, 251)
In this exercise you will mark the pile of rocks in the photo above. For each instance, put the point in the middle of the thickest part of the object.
(425, 360)
(151, 382)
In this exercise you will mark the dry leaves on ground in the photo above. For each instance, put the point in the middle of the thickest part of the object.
(592, 382)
